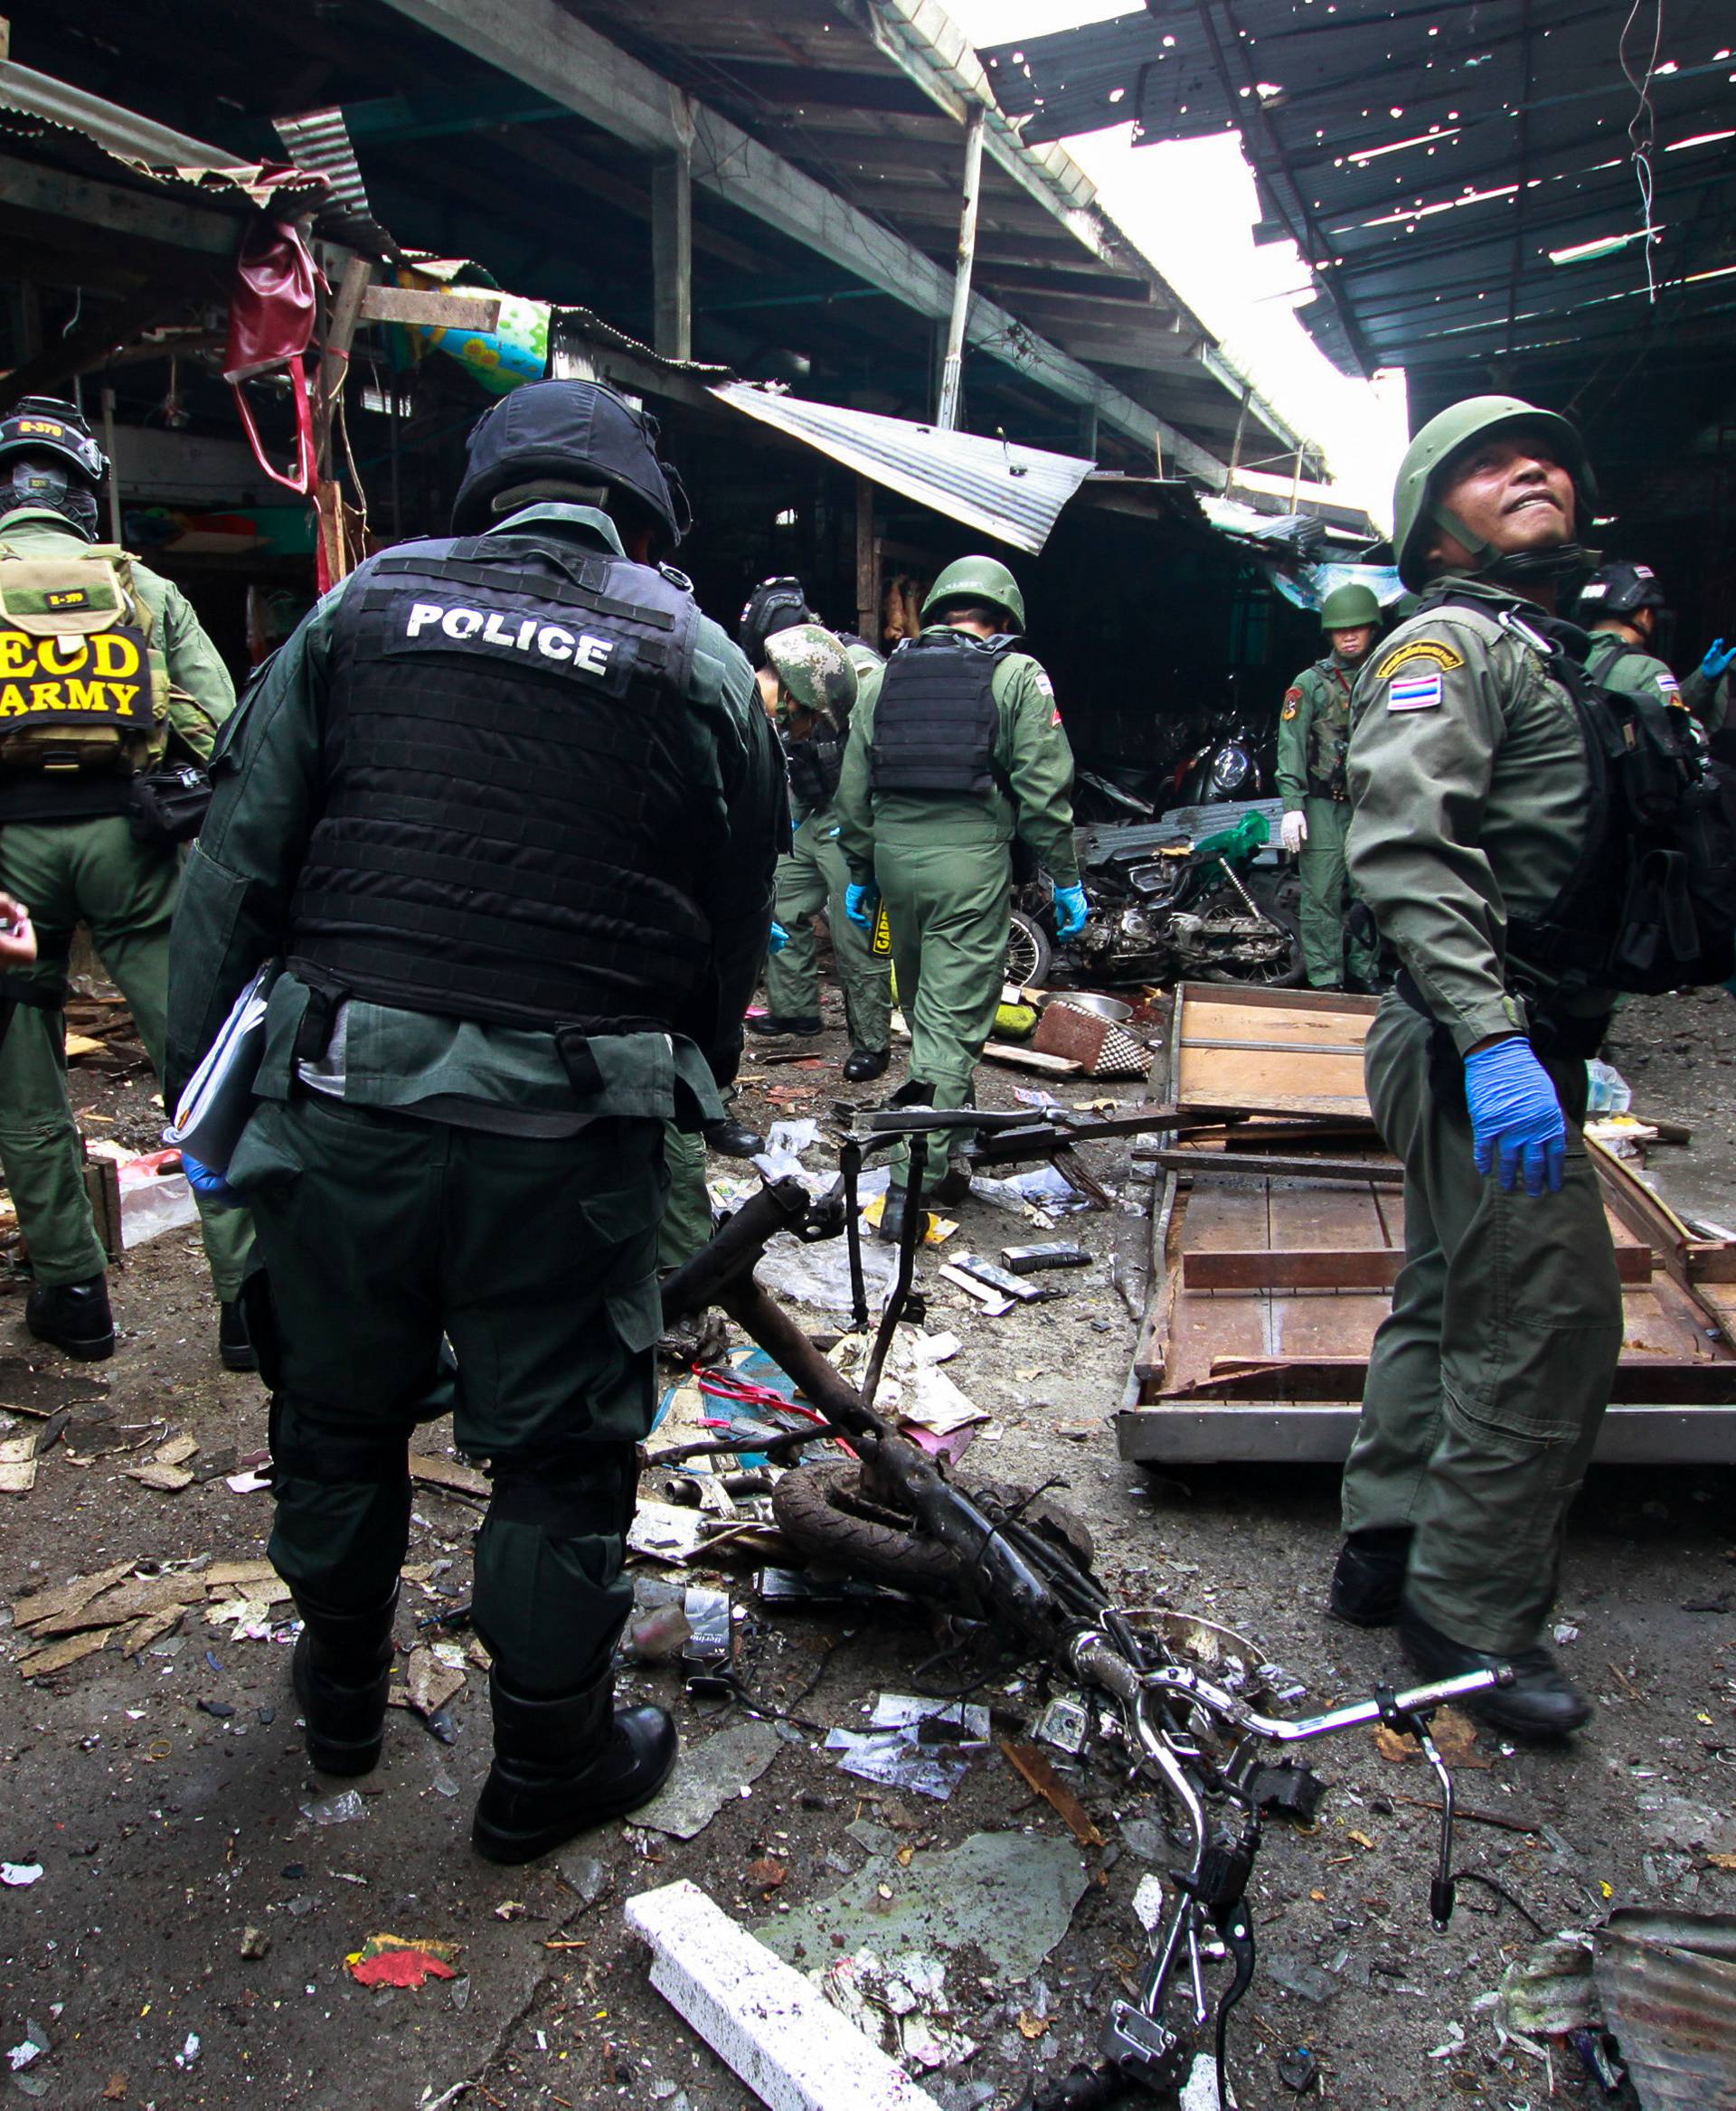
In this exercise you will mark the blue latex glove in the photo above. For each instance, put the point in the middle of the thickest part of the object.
(1515, 1118)
(213, 1186)
(1070, 906)
(779, 939)
(1717, 659)
(860, 904)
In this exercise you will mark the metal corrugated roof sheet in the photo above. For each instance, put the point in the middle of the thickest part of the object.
(150, 149)
(1461, 178)
(1014, 493)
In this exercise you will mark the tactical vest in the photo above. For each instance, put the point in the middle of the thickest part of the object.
(84, 682)
(505, 831)
(935, 721)
(1650, 904)
(1326, 767)
(815, 765)
(1614, 663)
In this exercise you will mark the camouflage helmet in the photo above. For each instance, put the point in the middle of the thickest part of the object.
(811, 664)
(1349, 607)
(1417, 514)
(976, 578)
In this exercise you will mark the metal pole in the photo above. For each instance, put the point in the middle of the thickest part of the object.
(114, 475)
(952, 372)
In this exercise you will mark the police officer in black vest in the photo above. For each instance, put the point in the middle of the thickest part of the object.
(506, 807)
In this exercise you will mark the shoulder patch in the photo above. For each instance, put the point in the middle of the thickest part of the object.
(1434, 650)
(1044, 685)
(1292, 702)
(1415, 692)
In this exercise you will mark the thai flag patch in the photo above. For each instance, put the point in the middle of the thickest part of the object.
(1414, 693)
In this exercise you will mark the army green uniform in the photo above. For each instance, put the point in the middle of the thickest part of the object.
(88, 868)
(430, 1173)
(686, 1222)
(1312, 736)
(943, 864)
(1708, 699)
(1489, 1379)
(813, 877)
(1617, 665)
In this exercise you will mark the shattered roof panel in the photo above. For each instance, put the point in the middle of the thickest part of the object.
(147, 148)
(1011, 493)
(1453, 174)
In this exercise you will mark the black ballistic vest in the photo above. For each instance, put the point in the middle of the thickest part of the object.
(1650, 904)
(506, 833)
(936, 721)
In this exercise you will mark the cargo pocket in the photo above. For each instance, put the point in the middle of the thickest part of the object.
(265, 1163)
(635, 1315)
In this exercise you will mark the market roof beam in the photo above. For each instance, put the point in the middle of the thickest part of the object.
(538, 43)
(33, 188)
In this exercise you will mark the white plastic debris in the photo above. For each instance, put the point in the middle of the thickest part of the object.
(788, 2043)
(18, 1875)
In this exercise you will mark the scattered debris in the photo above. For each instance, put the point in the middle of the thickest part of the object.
(35, 2043)
(1008, 1896)
(763, 2019)
(1042, 1778)
(708, 1775)
(336, 1810)
(18, 1876)
(448, 1474)
(1454, 1733)
(17, 1464)
(431, 1679)
(389, 1960)
(255, 1943)
(1667, 1984)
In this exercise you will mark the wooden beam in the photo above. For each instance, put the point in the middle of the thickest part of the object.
(1260, 1165)
(1364, 1268)
(538, 42)
(458, 308)
(34, 189)
(868, 621)
(952, 370)
(672, 253)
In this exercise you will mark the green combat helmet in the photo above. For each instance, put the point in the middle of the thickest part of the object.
(1349, 606)
(1419, 515)
(976, 578)
(813, 665)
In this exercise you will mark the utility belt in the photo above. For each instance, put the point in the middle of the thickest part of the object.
(1334, 790)
(1563, 1042)
(572, 1037)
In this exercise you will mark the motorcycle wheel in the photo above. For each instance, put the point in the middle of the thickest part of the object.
(823, 1511)
(1290, 971)
(1029, 953)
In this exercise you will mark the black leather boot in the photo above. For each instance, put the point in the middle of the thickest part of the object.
(1369, 1581)
(774, 1026)
(1539, 1705)
(73, 1316)
(341, 1669)
(731, 1139)
(563, 1765)
(862, 1064)
(234, 1344)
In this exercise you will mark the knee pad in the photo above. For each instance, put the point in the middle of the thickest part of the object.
(566, 1492)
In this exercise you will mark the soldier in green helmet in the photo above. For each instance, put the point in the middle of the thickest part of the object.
(105, 677)
(816, 690)
(955, 751)
(1475, 840)
(1313, 739)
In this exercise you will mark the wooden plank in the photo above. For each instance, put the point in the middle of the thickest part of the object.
(1284, 1432)
(452, 309)
(1351, 1268)
(1310, 1003)
(1257, 1164)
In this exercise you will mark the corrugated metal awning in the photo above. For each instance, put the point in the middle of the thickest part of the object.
(150, 149)
(1014, 493)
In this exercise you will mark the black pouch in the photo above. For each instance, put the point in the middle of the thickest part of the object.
(168, 805)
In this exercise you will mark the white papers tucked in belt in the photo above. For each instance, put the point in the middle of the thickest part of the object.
(214, 1109)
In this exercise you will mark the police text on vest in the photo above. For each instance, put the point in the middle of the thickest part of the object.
(527, 633)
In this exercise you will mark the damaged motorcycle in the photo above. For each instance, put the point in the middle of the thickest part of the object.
(1173, 912)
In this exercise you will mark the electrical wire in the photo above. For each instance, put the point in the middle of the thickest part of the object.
(1642, 127)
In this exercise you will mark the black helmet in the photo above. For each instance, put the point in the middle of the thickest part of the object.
(567, 432)
(774, 605)
(49, 456)
(1620, 589)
